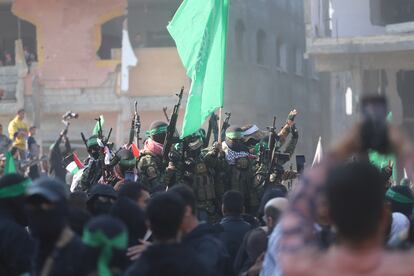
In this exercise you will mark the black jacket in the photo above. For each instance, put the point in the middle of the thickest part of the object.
(16, 246)
(234, 228)
(67, 260)
(171, 260)
(209, 249)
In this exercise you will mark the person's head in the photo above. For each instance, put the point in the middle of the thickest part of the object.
(195, 143)
(12, 191)
(401, 200)
(106, 237)
(278, 191)
(232, 203)
(126, 162)
(158, 131)
(20, 113)
(273, 210)
(32, 131)
(190, 220)
(164, 214)
(93, 146)
(47, 210)
(136, 192)
(252, 135)
(101, 198)
(234, 139)
(355, 195)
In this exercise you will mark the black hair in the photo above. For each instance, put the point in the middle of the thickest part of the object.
(233, 203)
(165, 213)
(356, 196)
(272, 212)
(404, 208)
(131, 190)
(187, 195)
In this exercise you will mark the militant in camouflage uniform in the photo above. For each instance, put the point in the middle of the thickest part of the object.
(197, 169)
(150, 164)
(267, 178)
(93, 168)
(239, 170)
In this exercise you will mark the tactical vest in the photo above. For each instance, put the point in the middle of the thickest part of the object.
(149, 169)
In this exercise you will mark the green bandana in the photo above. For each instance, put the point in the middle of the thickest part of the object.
(234, 135)
(400, 198)
(99, 239)
(128, 163)
(15, 190)
(92, 142)
(158, 130)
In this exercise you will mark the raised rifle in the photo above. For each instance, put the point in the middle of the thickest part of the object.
(164, 109)
(212, 127)
(225, 126)
(102, 144)
(137, 123)
(169, 138)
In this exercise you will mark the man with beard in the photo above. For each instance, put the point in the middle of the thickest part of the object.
(58, 249)
(16, 246)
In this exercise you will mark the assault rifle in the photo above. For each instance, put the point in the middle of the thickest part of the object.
(169, 138)
(225, 126)
(212, 127)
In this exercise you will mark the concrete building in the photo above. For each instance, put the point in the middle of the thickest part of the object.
(78, 49)
(368, 46)
(77, 44)
(268, 74)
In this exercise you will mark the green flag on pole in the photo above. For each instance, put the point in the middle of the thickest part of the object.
(199, 28)
(96, 128)
(380, 160)
(10, 166)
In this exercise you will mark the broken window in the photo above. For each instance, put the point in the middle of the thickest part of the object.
(386, 12)
(111, 37)
(12, 28)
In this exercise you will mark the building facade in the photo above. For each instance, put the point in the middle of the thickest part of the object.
(268, 73)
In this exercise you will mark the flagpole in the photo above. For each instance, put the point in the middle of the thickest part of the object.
(220, 126)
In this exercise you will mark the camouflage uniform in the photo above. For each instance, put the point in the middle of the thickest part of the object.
(239, 170)
(93, 168)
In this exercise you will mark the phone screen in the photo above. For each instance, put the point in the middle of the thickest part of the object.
(300, 163)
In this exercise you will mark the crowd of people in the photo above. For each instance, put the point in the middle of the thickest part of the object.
(221, 208)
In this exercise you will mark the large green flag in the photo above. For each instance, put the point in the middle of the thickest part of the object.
(199, 29)
(10, 166)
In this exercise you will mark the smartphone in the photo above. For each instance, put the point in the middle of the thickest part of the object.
(300, 163)
(374, 132)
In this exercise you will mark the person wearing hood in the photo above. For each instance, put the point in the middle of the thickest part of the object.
(101, 198)
(202, 237)
(16, 246)
(105, 239)
(58, 249)
(150, 163)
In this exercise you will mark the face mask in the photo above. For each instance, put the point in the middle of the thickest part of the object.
(46, 225)
(101, 208)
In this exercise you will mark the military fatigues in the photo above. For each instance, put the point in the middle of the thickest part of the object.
(150, 170)
(277, 174)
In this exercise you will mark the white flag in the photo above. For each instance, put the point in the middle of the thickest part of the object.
(405, 173)
(318, 154)
(128, 60)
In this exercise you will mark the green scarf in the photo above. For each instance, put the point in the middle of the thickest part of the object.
(157, 130)
(15, 190)
(400, 198)
(99, 240)
(234, 135)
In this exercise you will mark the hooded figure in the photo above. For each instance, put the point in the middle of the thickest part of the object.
(106, 240)
(58, 248)
(16, 246)
(100, 200)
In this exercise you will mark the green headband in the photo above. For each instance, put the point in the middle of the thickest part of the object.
(400, 198)
(158, 130)
(92, 142)
(234, 135)
(99, 239)
(15, 190)
(128, 163)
